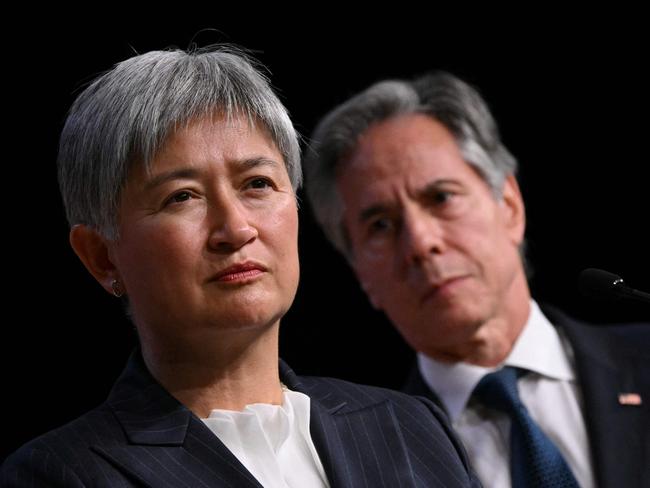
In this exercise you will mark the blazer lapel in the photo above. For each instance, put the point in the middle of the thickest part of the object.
(168, 444)
(359, 445)
(616, 429)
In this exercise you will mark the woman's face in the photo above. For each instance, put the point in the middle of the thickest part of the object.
(208, 238)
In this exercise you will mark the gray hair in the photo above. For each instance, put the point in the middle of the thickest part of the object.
(440, 95)
(124, 117)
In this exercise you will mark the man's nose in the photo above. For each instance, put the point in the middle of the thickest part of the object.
(422, 234)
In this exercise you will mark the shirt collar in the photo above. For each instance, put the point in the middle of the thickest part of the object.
(538, 348)
(452, 382)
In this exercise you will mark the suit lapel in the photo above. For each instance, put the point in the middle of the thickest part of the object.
(616, 431)
(202, 461)
(415, 385)
(359, 445)
(168, 445)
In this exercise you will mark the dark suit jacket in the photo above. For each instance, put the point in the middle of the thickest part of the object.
(142, 436)
(610, 360)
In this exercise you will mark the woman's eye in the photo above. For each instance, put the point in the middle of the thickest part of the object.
(179, 197)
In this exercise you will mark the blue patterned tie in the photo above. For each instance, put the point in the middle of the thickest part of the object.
(534, 459)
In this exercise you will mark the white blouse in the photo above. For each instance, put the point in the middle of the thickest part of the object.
(272, 441)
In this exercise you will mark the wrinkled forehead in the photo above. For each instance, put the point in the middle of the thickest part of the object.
(408, 148)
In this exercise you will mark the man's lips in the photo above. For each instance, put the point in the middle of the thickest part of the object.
(441, 287)
(239, 271)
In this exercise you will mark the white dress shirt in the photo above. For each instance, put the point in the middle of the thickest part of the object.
(550, 393)
(273, 441)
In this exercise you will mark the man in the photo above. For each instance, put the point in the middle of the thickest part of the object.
(411, 182)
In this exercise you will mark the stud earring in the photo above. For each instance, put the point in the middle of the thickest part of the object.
(117, 288)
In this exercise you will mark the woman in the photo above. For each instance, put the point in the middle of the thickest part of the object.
(178, 173)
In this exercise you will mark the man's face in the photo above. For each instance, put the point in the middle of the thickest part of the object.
(431, 245)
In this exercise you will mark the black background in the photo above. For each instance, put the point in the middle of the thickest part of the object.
(571, 99)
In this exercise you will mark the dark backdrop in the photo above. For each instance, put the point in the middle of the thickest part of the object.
(571, 102)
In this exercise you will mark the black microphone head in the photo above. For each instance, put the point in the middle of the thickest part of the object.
(598, 283)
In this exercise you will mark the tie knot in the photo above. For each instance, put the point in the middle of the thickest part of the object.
(498, 390)
(534, 460)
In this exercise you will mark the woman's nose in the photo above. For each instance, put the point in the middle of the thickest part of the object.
(232, 227)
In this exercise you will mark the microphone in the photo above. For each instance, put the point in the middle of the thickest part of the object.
(597, 283)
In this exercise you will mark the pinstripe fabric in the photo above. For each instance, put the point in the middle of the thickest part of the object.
(142, 436)
(609, 360)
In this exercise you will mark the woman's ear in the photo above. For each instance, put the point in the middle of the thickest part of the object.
(514, 210)
(92, 249)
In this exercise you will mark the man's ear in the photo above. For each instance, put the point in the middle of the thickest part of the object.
(366, 286)
(372, 297)
(92, 248)
(514, 210)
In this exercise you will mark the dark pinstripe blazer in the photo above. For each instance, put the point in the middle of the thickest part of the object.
(609, 359)
(142, 436)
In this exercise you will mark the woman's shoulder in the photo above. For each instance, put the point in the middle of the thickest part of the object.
(62, 452)
(360, 396)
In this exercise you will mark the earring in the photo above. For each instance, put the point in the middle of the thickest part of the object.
(117, 288)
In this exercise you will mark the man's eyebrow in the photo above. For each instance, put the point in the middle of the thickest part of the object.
(435, 186)
(369, 212)
(423, 193)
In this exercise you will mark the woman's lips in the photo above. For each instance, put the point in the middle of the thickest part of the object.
(239, 272)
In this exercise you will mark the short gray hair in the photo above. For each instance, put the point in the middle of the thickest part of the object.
(440, 95)
(124, 117)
